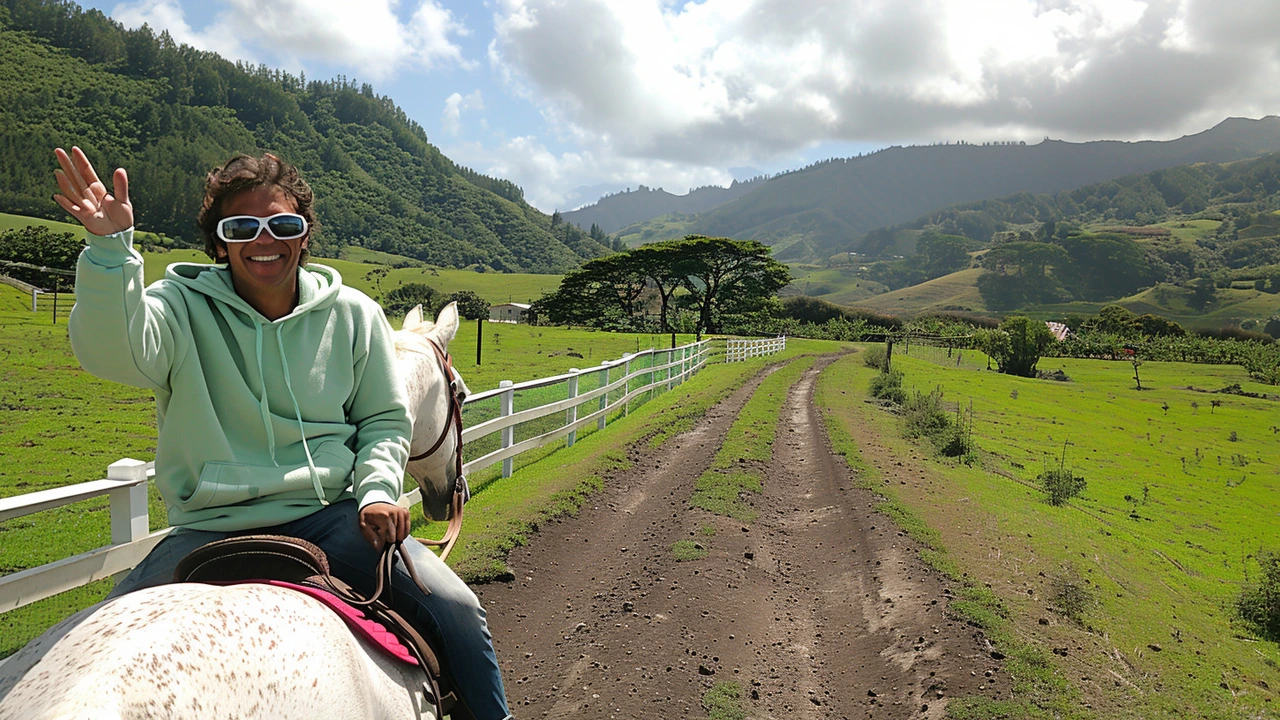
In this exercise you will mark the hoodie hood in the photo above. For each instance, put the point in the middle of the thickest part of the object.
(318, 287)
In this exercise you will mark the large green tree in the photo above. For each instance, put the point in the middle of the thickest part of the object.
(726, 277)
(41, 247)
(721, 278)
(1016, 274)
(1018, 344)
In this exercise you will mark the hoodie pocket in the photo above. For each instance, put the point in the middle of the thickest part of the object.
(225, 483)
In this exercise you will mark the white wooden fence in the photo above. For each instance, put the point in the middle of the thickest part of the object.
(739, 350)
(616, 389)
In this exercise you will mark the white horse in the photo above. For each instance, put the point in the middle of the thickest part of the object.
(244, 651)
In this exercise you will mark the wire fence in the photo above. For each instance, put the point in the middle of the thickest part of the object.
(962, 358)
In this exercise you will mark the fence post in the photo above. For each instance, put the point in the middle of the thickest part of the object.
(129, 521)
(671, 355)
(508, 433)
(573, 411)
(34, 292)
(604, 398)
(626, 388)
(653, 375)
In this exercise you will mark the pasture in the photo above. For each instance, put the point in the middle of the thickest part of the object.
(1179, 499)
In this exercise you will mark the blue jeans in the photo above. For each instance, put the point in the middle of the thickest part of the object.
(451, 615)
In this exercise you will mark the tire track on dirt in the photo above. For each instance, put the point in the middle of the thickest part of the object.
(596, 623)
(820, 608)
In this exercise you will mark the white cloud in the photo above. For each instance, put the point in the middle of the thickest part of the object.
(546, 177)
(367, 36)
(727, 81)
(455, 105)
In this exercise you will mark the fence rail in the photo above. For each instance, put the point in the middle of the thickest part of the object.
(641, 374)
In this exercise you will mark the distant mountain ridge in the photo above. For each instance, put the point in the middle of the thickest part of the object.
(614, 212)
(811, 213)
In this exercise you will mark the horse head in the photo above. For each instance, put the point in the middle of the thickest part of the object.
(435, 391)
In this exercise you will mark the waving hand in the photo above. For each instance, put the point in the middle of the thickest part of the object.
(86, 197)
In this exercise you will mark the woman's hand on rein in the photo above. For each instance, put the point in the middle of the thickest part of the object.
(85, 197)
(383, 523)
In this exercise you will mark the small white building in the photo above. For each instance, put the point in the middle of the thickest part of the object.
(508, 312)
(1058, 330)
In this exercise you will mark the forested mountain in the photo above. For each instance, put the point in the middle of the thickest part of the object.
(1188, 238)
(611, 213)
(169, 113)
(810, 213)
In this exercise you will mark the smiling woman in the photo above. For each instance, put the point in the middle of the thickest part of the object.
(279, 407)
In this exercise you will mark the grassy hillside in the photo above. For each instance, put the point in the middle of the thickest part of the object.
(833, 202)
(956, 291)
(959, 291)
(664, 227)
(839, 285)
(11, 222)
(1155, 550)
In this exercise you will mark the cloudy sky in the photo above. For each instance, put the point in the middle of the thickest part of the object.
(571, 98)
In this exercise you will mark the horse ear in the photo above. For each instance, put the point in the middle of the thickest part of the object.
(413, 318)
(447, 323)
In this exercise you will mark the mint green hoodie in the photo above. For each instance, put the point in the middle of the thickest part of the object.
(261, 422)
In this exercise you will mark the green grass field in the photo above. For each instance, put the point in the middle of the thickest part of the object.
(1177, 504)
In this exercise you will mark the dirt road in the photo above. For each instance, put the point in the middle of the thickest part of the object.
(819, 608)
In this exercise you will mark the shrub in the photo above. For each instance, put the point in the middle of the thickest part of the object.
(873, 357)
(470, 305)
(954, 442)
(1070, 595)
(1259, 604)
(1062, 484)
(403, 299)
(967, 319)
(888, 386)
(925, 416)
(1232, 332)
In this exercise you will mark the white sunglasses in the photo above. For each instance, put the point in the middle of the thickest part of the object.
(243, 228)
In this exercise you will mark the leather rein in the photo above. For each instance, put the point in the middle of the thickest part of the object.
(461, 492)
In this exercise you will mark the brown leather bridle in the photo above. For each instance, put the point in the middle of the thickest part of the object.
(461, 492)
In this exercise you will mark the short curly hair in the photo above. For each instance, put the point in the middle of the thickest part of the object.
(242, 173)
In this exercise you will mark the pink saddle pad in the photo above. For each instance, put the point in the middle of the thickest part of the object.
(365, 627)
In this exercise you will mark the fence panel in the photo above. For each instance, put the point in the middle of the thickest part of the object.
(740, 350)
(500, 424)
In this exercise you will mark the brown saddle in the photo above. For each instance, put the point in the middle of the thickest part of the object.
(278, 557)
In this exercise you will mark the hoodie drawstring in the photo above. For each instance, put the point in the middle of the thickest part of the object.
(263, 408)
(297, 413)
